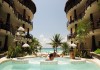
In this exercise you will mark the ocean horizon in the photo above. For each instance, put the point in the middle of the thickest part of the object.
(50, 50)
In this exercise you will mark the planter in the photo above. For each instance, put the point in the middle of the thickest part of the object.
(95, 55)
(72, 56)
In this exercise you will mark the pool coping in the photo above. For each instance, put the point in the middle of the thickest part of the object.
(94, 60)
(4, 59)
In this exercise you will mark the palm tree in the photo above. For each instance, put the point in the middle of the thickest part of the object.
(35, 45)
(53, 45)
(56, 41)
(82, 32)
(65, 48)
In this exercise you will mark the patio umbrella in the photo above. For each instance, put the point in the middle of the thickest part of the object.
(18, 34)
(73, 45)
(21, 29)
(25, 45)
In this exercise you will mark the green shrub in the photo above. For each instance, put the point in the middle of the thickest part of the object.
(14, 52)
(65, 48)
(28, 50)
(97, 51)
(11, 53)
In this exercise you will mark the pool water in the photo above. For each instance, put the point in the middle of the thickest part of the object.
(33, 64)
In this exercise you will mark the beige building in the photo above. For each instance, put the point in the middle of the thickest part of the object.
(13, 14)
(84, 10)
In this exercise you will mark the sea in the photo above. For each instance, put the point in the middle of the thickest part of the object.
(50, 50)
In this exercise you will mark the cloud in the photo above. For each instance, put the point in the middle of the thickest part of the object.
(44, 41)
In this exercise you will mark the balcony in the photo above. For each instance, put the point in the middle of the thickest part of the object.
(10, 2)
(69, 22)
(89, 2)
(29, 37)
(7, 27)
(4, 26)
(20, 16)
(79, 16)
(29, 4)
(17, 14)
(70, 36)
(70, 4)
(96, 24)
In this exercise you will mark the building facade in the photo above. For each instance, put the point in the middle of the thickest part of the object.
(13, 14)
(81, 11)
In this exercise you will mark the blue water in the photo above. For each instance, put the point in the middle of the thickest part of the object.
(10, 65)
(34, 64)
(49, 50)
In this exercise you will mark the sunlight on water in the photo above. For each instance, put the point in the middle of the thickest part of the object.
(34, 64)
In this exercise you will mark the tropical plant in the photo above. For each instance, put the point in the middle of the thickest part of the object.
(53, 45)
(82, 32)
(97, 51)
(56, 41)
(14, 52)
(65, 48)
(35, 45)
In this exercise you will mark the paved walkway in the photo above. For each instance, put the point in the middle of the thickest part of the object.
(3, 59)
(95, 60)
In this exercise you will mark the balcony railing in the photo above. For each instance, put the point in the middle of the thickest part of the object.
(80, 16)
(70, 4)
(69, 22)
(29, 36)
(89, 2)
(29, 4)
(96, 24)
(71, 35)
(4, 26)
(10, 2)
(18, 15)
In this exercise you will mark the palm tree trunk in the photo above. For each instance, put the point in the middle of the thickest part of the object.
(53, 48)
(56, 49)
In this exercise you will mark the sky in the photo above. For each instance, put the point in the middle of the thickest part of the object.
(49, 19)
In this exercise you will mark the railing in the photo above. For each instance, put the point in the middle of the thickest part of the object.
(89, 2)
(10, 2)
(7, 27)
(4, 26)
(17, 14)
(70, 4)
(69, 22)
(29, 4)
(80, 16)
(71, 35)
(96, 25)
(29, 36)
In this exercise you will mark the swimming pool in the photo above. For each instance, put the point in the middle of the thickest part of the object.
(34, 64)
